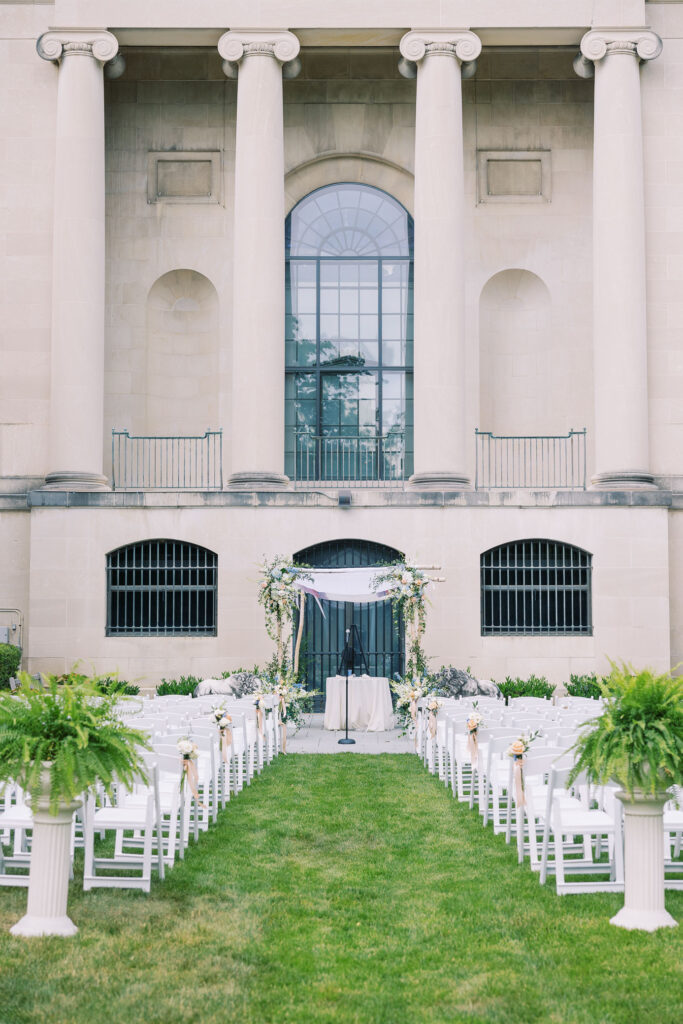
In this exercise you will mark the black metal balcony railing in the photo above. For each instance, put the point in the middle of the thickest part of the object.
(539, 463)
(167, 463)
(349, 461)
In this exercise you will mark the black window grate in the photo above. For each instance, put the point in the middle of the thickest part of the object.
(536, 587)
(161, 588)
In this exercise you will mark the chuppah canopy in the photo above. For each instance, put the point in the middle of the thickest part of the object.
(356, 585)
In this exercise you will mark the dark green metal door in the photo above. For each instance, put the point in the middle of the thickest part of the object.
(323, 636)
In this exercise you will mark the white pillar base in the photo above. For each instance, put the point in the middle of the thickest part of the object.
(31, 926)
(445, 481)
(67, 480)
(258, 481)
(624, 480)
(643, 920)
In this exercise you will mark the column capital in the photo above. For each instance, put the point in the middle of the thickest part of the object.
(463, 45)
(283, 46)
(642, 43)
(98, 44)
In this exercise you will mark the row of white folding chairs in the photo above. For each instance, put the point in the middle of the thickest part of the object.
(154, 817)
(549, 819)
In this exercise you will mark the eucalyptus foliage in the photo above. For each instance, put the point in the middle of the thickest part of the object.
(638, 739)
(72, 731)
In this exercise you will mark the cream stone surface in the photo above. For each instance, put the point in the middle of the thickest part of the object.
(189, 333)
(630, 558)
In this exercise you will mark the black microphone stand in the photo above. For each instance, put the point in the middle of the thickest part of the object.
(346, 661)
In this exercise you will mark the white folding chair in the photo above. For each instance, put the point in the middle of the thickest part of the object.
(142, 817)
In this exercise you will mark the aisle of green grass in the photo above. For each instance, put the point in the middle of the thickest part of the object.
(343, 889)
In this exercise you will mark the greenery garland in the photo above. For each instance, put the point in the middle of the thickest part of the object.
(407, 587)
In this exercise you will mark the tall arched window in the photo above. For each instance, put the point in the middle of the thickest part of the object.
(161, 588)
(349, 336)
(536, 587)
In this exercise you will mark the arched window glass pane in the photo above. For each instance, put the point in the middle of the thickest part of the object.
(349, 338)
(348, 220)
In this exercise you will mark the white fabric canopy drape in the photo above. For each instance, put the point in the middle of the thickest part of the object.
(355, 585)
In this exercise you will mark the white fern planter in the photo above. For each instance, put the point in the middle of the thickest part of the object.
(643, 907)
(48, 884)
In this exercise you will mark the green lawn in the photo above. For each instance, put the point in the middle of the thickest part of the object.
(343, 889)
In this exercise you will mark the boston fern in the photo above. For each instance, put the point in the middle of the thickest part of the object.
(73, 731)
(638, 739)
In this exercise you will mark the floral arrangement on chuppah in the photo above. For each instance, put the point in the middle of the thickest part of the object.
(280, 599)
(406, 588)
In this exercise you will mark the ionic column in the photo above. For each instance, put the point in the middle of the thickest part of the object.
(77, 347)
(619, 301)
(439, 354)
(259, 256)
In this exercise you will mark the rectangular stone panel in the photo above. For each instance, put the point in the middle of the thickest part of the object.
(513, 176)
(183, 177)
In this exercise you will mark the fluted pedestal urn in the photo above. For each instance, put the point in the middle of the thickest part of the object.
(48, 885)
(643, 863)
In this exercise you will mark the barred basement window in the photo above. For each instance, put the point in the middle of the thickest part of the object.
(161, 588)
(536, 587)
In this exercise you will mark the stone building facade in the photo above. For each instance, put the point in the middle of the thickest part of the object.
(163, 168)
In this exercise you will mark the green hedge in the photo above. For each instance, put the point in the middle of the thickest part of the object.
(584, 686)
(10, 660)
(182, 687)
(534, 686)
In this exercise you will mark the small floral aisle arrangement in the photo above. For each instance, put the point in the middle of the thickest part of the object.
(408, 693)
(189, 753)
(293, 701)
(473, 724)
(433, 705)
(260, 705)
(224, 722)
(516, 751)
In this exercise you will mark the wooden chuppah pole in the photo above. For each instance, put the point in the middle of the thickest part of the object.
(299, 632)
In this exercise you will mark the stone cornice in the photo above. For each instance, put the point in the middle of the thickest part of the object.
(283, 46)
(102, 46)
(642, 43)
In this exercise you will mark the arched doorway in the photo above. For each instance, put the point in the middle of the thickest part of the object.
(349, 337)
(323, 639)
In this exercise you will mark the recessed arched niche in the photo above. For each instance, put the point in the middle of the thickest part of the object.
(181, 355)
(517, 380)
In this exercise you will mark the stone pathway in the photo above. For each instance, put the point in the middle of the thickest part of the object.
(313, 739)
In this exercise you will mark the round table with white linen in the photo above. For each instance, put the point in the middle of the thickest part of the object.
(369, 703)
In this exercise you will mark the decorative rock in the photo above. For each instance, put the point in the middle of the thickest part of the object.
(209, 686)
(453, 682)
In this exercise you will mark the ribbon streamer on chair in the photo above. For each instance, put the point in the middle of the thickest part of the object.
(226, 741)
(259, 721)
(283, 722)
(518, 772)
(413, 715)
(432, 724)
(473, 746)
(190, 770)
